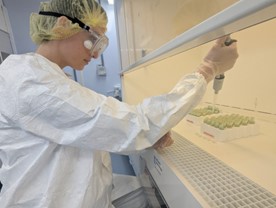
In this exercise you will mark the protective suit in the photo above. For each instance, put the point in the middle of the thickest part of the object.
(55, 135)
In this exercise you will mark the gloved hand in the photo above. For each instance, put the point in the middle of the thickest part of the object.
(165, 141)
(219, 59)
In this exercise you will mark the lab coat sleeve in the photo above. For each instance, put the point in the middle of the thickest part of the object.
(64, 112)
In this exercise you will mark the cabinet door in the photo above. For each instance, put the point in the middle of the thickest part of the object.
(3, 24)
(5, 45)
(5, 36)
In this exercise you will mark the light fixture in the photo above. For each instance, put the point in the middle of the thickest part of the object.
(111, 1)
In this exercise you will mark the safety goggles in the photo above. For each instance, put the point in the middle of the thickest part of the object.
(96, 44)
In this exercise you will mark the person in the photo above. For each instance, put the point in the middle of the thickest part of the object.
(56, 135)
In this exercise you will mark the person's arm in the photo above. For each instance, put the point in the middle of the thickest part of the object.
(66, 113)
(218, 60)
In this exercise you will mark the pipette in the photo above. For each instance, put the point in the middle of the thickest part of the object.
(218, 81)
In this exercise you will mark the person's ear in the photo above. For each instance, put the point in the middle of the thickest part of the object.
(63, 22)
(63, 28)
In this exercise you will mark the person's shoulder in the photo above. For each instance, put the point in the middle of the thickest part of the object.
(19, 66)
(17, 59)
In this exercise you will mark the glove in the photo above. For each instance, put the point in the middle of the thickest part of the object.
(165, 141)
(219, 59)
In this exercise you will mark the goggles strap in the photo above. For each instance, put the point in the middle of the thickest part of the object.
(74, 20)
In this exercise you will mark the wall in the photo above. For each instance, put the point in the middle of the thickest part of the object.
(19, 18)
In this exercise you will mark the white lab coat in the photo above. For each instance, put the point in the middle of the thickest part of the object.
(55, 135)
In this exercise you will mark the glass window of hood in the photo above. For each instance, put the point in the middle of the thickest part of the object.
(146, 25)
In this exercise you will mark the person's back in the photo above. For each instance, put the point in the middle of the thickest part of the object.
(43, 172)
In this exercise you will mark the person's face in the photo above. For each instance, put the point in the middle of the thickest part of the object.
(75, 54)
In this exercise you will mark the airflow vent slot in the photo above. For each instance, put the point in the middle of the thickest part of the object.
(220, 185)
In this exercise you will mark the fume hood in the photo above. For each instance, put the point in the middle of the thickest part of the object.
(161, 41)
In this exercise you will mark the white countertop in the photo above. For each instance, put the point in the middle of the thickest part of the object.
(253, 157)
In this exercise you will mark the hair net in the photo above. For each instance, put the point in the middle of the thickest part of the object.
(48, 28)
